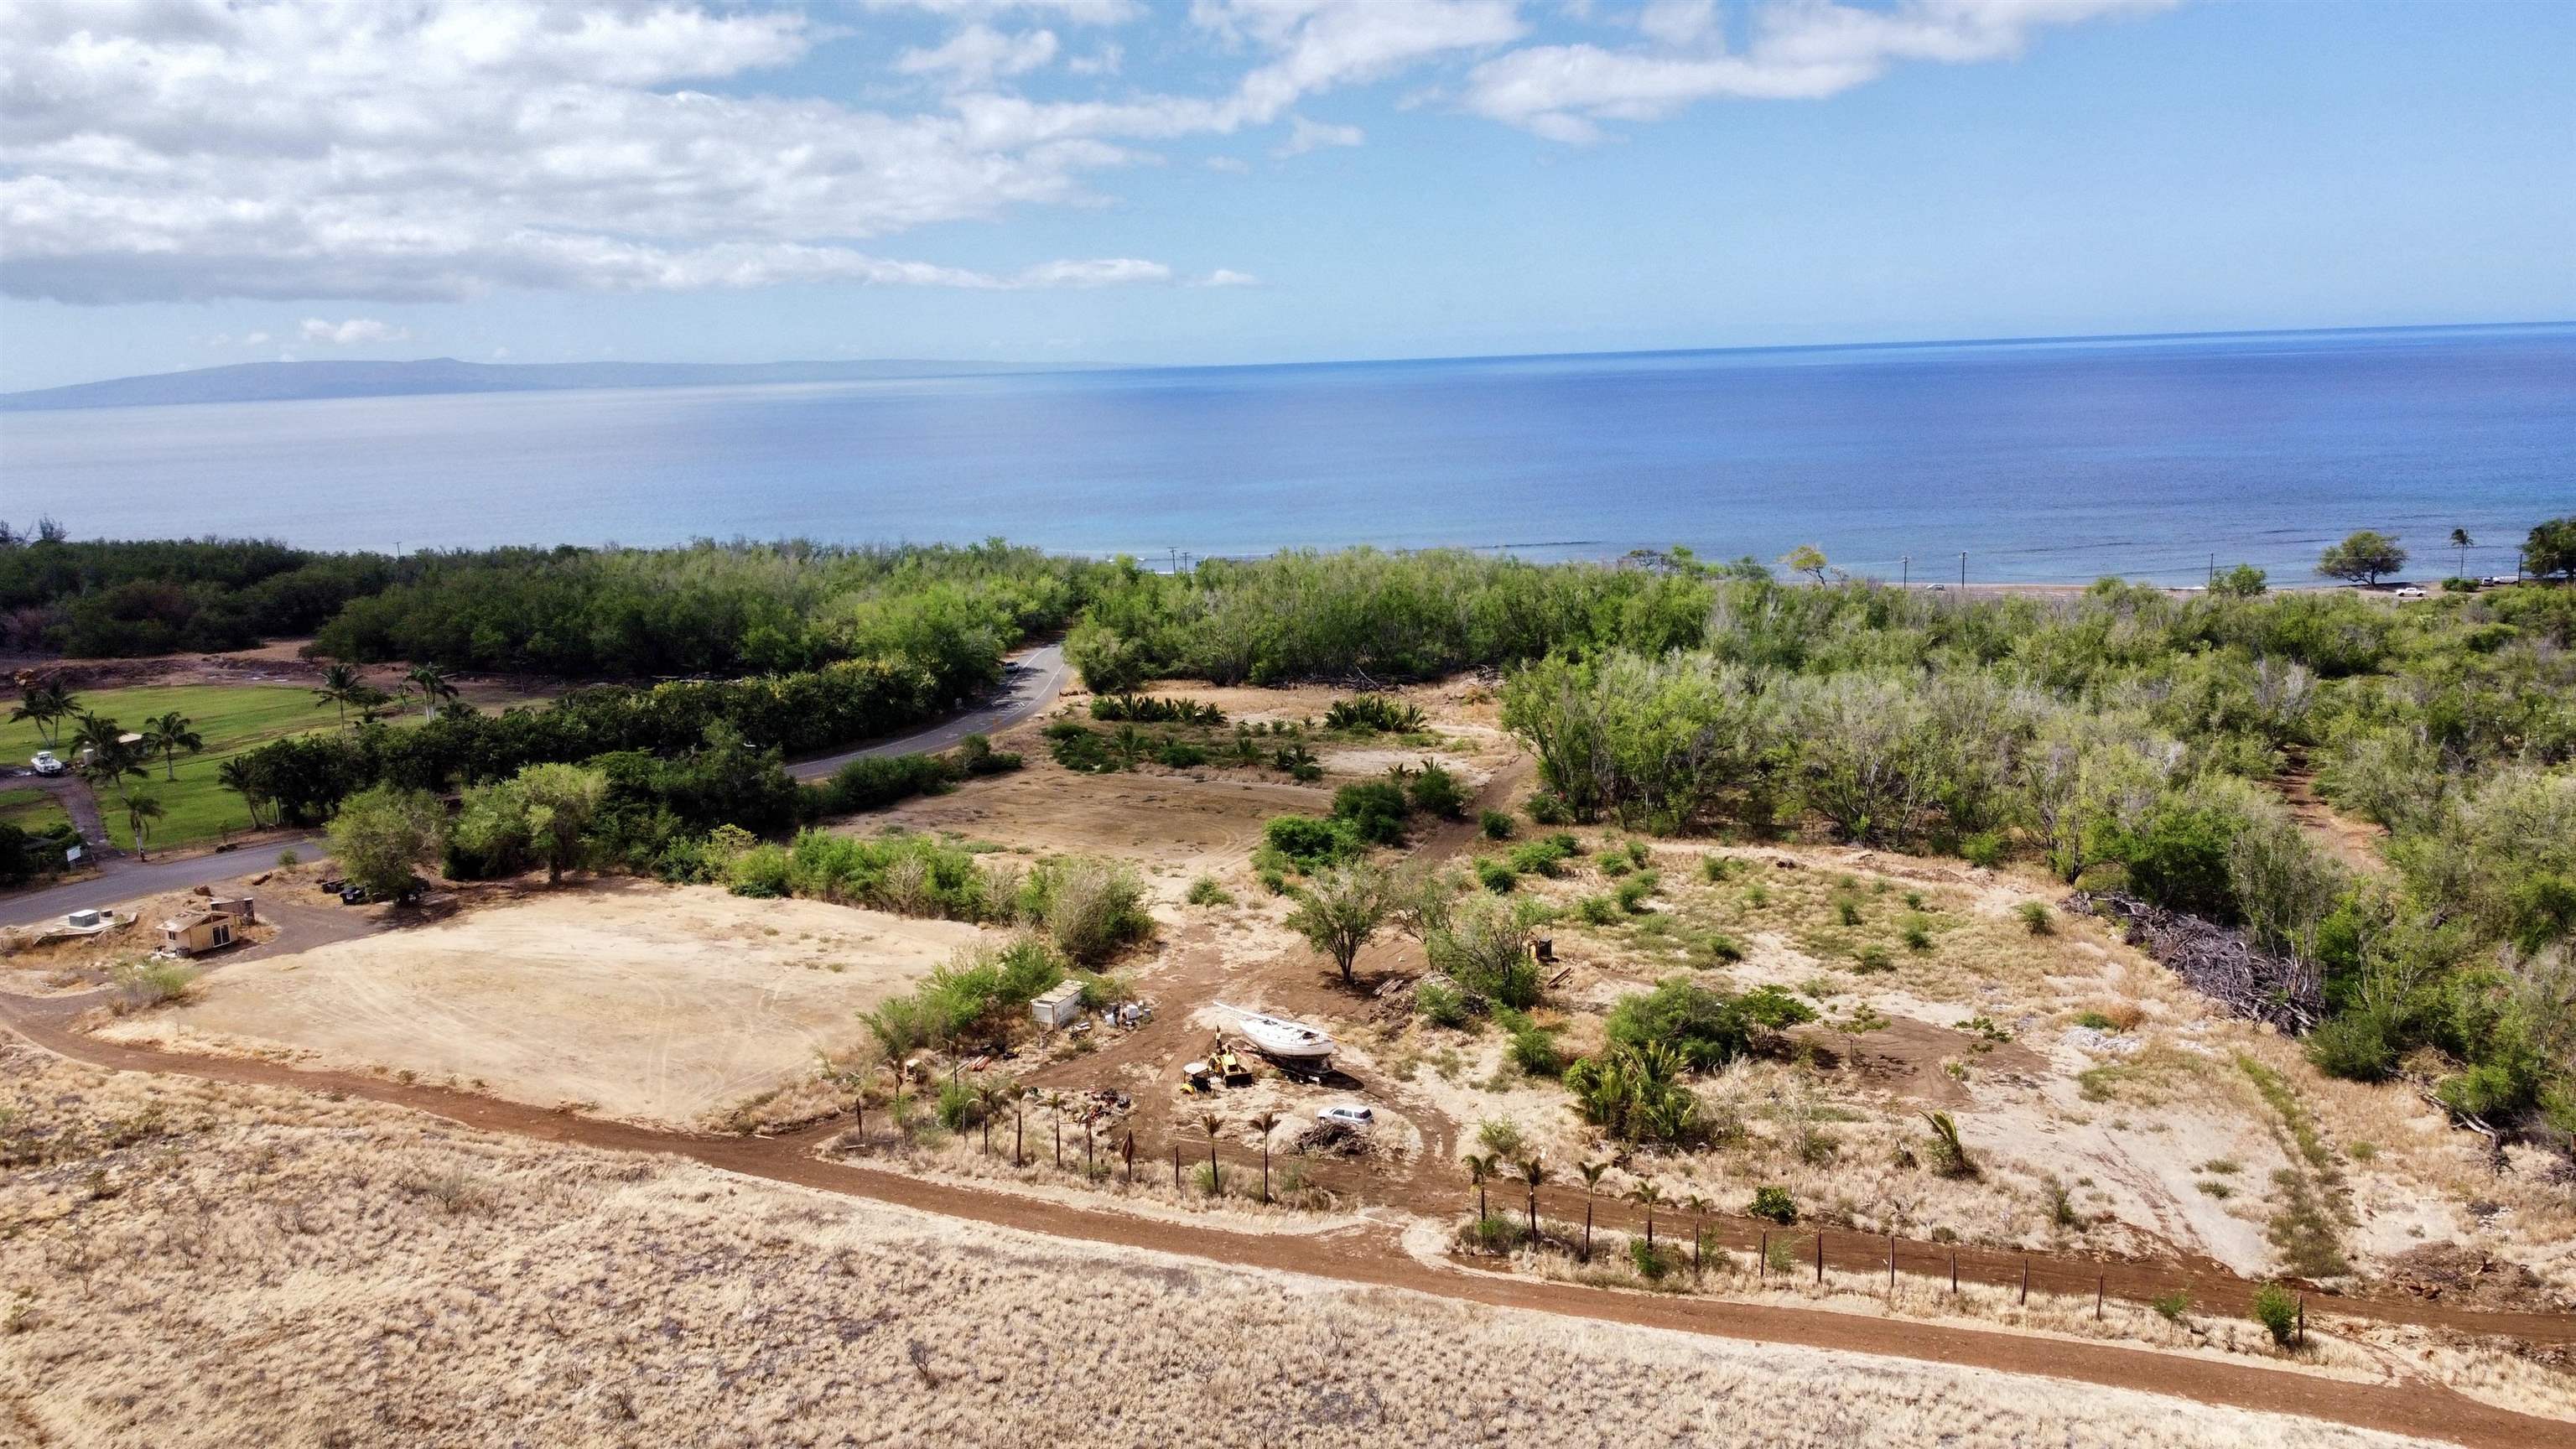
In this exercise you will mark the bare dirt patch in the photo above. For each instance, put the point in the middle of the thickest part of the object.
(642, 1002)
(1178, 822)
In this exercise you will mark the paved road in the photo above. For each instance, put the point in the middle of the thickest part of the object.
(1030, 683)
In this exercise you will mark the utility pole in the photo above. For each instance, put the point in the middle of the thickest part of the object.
(1963, 568)
(2213, 571)
(1904, 571)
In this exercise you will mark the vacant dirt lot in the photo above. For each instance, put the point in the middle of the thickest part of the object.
(194, 1264)
(645, 1002)
(1174, 822)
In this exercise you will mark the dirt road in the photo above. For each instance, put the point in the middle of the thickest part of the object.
(1375, 1256)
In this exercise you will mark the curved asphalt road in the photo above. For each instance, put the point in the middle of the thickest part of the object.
(1030, 682)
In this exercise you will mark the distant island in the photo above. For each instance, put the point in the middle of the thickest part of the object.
(293, 381)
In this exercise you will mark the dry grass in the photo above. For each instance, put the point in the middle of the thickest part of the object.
(267, 1268)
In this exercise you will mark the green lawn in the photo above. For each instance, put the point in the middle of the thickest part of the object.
(233, 718)
(30, 809)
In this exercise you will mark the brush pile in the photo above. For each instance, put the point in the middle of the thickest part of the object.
(2216, 962)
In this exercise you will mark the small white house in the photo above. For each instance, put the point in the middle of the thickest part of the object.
(1059, 1006)
(191, 935)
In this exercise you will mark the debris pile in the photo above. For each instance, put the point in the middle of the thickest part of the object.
(2216, 962)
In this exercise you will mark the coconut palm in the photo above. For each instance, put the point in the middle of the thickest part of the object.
(106, 758)
(1265, 1124)
(1591, 1172)
(1648, 1196)
(2460, 540)
(431, 683)
(1534, 1176)
(341, 687)
(989, 1097)
(233, 775)
(1480, 1170)
(140, 812)
(1213, 1124)
(47, 705)
(169, 736)
(1054, 1103)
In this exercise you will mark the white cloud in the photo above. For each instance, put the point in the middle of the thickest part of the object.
(978, 53)
(1071, 12)
(1305, 135)
(1223, 277)
(191, 149)
(354, 332)
(1107, 60)
(1799, 50)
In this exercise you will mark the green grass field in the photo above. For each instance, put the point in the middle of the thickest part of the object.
(233, 718)
(31, 809)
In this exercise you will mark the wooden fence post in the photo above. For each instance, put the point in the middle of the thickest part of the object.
(1762, 1259)
(1891, 1262)
(2025, 1282)
(2099, 1284)
(2303, 1320)
(1820, 1256)
(1954, 1272)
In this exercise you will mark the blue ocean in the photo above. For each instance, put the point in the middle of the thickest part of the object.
(2058, 461)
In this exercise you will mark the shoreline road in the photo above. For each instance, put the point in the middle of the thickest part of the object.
(1030, 683)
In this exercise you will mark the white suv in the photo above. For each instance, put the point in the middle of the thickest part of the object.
(1347, 1116)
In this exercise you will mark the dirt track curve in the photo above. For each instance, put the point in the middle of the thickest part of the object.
(1375, 1258)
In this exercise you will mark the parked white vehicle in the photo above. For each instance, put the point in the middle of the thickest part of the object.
(2410, 592)
(46, 764)
(1345, 1115)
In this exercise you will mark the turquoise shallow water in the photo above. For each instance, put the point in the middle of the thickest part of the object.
(2042, 461)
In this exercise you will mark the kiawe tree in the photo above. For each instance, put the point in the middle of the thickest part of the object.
(2362, 557)
(2550, 551)
(1341, 910)
(383, 835)
(1806, 559)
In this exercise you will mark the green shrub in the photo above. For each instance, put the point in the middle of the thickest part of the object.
(1547, 809)
(1497, 1233)
(1495, 876)
(2036, 919)
(2172, 1306)
(1872, 960)
(2277, 1311)
(1443, 1005)
(1373, 714)
(1611, 863)
(1495, 824)
(1091, 907)
(1716, 868)
(1773, 1204)
(1633, 891)
(1917, 935)
(1638, 854)
(1656, 1263)
(1539, 857)
(2358, 1046)
(957, 1105)
(1499, 1136)
(1435, 791)
(288, 860)
(2096, 1021)
(1716, 948)
(1983, 849)
(1205, 891)
(1375, 810)
(1597, 910)
(1179, 755)
(1311, 844)
(1848, 912)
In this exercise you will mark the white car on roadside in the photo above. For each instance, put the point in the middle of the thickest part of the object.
(46, 764)
(1358, 1119)
(2410, 592)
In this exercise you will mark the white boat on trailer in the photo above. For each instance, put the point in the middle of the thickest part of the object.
(1277, 1037)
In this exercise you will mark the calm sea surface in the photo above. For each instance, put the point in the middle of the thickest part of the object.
(2041, 461)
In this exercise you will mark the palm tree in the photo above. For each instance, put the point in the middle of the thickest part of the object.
(1054, 1102)
(1647, 1195)
(167, 736)
(1480, 1169)
(47, 705)
(106, 758)
(2460, 540)
(1699, 1208)
(140, 812)
(1591, 1184)
(1213, 1124)
(431, 684)
(1534, 1175)
(233, 775)
(1265, 1124)
(342, 686)
(989, 1097)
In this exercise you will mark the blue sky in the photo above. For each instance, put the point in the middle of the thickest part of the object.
(184, 184)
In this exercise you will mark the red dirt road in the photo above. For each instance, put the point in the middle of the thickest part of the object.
(1374, 1258)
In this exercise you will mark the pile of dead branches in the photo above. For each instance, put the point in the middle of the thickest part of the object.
(2216, 962)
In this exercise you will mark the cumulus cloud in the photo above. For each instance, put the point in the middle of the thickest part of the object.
(978, 53)
(190, 149)
(1799, 50)
(1305, 135)
(1222, 277)
(353, 332)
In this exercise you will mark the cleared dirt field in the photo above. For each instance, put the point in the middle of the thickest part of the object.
(1170, 821)
(195, 1264)
(639, 1001)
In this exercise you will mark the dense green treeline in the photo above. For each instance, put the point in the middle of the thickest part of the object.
(117, 599)
(1362, 613)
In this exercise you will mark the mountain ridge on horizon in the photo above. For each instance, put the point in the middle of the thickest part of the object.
(318, 379)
